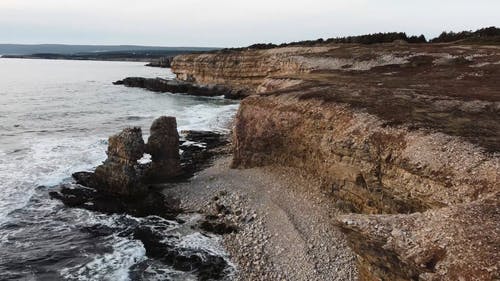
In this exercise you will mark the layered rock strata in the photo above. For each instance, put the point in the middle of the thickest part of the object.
(389, 129)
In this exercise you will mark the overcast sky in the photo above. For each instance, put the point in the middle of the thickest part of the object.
(227, 23)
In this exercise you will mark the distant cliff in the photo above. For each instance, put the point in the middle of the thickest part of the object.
(409, 131)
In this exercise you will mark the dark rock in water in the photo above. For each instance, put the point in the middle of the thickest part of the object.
(142, 205)
(99, 230)
(163, 145)
(237, 94)
(86, 179)
(206, 265)
(121, 174)
(209, 138)
(177, 86)
(200, 149)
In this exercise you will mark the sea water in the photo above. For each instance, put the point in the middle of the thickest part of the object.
(55, 118)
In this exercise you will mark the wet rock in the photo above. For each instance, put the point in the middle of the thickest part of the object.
(99, 230)
(141, 205)
(86, 179)
(206, 265)
(208, 138)
(176, 86)
(199, 148)
(163, 145)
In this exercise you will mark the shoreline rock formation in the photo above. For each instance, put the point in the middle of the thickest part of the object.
(121, 173)
(163, 146)
(179, 87)
(405, 135)
(124, 183)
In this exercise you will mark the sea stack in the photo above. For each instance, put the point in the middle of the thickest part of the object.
(163, 145)
(121, 174)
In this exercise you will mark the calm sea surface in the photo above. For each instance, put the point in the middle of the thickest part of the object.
(55, 118)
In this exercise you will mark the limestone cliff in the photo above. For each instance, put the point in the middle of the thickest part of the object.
(389, 129)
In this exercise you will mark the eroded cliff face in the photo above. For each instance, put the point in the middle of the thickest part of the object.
(371, 167)
(390, 129)
(244, 71)
(453, 243)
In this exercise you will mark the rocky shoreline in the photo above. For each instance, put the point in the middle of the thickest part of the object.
(283, 232)
(128, 184)
(180, 87)
(348, 162)
(403, 137)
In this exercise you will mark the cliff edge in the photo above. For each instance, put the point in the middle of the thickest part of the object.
(405, 139)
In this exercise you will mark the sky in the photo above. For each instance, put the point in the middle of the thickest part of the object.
(231, 23)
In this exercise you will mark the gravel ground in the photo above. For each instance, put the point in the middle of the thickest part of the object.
(285, 222)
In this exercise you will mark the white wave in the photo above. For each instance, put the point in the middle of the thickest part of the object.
(109, 266)
(47, 162)
(198, 241)
(146, 158)
(207, 117)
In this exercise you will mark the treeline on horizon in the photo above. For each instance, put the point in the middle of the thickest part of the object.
(141, 55)
(483, 35)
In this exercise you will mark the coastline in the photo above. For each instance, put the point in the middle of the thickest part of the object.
(321, 182)
(284, 233)
(402, 137)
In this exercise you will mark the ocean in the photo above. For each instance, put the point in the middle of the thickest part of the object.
(55, 118)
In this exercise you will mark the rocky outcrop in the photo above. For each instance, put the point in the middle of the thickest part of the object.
(163, 146)
(120, 173)
(124, 183)
(179, 87)
(407, 130)
(127, 183)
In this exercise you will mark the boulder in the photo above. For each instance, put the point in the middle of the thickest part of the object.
(127, 146)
